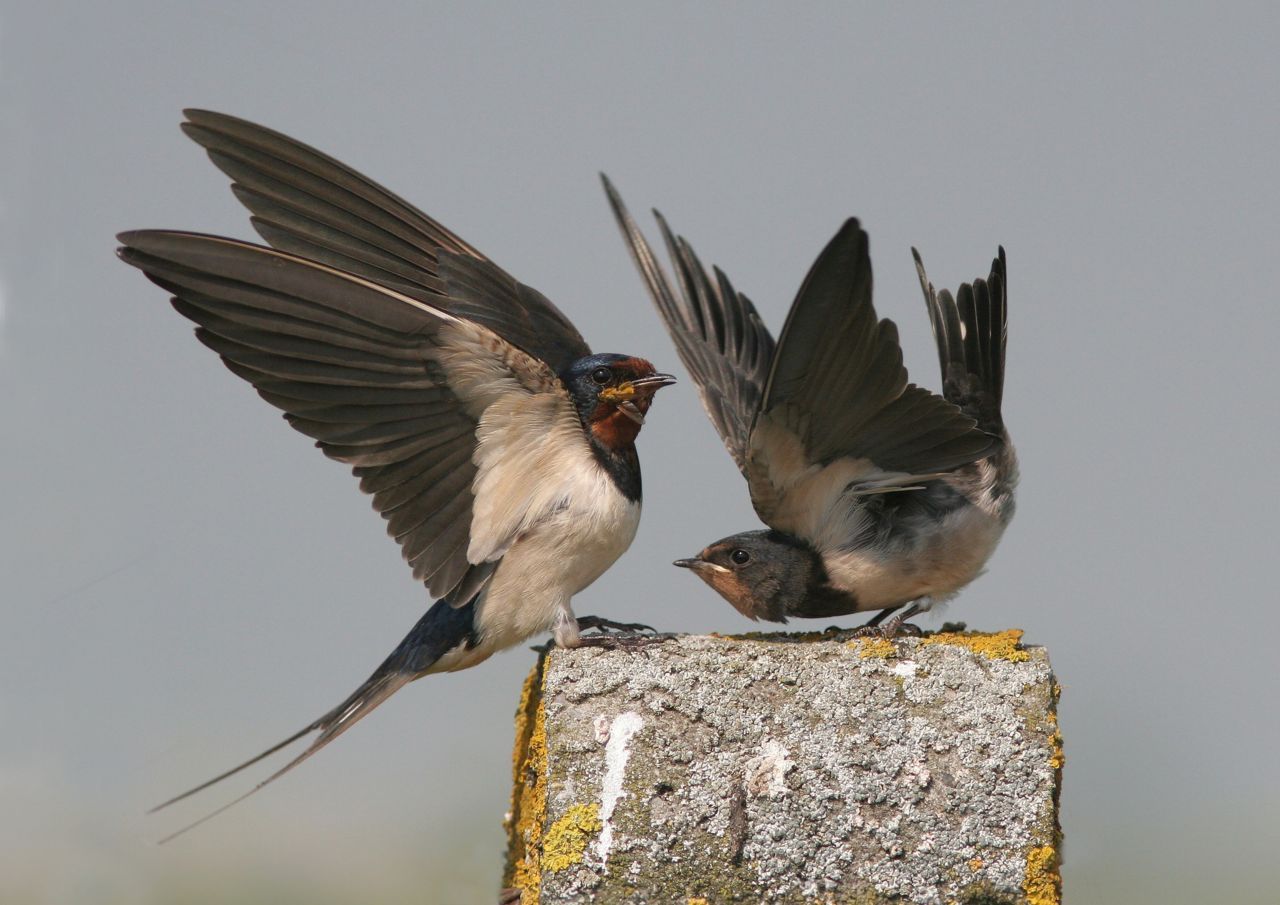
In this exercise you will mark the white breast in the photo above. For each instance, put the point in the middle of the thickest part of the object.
(564, 553)
(936, 566)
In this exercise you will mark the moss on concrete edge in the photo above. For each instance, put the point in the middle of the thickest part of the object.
(1006, 645)
(1043, 882)
(528, 794)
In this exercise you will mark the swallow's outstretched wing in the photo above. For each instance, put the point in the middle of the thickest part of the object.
(311, 205)
(839, 419)
(383, 381)
(971, 329)
(716, 330)
(398, 388)
(306, 203)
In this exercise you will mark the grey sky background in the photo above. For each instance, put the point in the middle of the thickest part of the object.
(183, 580)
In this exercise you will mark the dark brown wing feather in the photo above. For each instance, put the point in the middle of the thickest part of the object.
(716, 330)
(309, 204)
(838, 380)
(348, 362)
(970, 330)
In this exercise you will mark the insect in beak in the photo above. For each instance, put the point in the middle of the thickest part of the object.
(632, 411)
(626, 394)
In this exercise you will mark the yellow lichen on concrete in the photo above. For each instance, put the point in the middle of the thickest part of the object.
(1042, 883)
(1057, 758)
(976, 864)
(529, 802)
(1004, 645)
(697, 900)
(566, 839)
(523, 714)
(874, 648)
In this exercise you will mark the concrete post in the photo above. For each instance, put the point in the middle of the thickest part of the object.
(789, 768)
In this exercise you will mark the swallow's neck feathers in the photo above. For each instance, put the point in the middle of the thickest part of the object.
(612, 434)
(823, 600)
(611, 424)
(612, 428)
(616, 456)
(805, 589)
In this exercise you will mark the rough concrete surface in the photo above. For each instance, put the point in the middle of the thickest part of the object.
(789, 768)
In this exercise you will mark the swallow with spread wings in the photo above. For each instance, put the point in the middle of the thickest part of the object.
(499, 449)
(879, 495)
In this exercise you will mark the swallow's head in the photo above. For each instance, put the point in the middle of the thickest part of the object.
(764, 574)
(612, 394)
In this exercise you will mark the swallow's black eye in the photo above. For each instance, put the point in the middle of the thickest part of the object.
(740, 557)
(602, 375)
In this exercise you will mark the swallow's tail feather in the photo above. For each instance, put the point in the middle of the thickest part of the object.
(442, 629)
(970, 329)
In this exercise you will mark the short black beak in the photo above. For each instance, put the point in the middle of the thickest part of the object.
(653, 382)
(687, 563)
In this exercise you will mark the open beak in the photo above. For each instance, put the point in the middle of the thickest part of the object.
(652, 383)
(643, 387)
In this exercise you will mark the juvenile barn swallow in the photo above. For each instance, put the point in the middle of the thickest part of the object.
(878, 494)
(499, 449)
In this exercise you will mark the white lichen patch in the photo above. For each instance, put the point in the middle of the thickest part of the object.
(907, 669)
(766, 773)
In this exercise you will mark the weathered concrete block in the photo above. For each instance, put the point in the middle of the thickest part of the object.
(789, 768)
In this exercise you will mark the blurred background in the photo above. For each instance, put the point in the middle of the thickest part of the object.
(183, 580)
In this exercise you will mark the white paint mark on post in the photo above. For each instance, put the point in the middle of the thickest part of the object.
(616, 754)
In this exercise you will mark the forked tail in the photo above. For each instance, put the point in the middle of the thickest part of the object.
(439, 631)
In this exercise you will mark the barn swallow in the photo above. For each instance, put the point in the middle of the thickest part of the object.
(499, 449)
(878, 494)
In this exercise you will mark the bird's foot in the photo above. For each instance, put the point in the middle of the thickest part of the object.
(608, 626)
(605, 633)
(902, 630)
(896, 626)
(889, 631)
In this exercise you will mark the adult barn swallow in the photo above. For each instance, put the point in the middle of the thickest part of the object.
(499, 449)
(878, 494)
